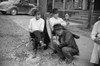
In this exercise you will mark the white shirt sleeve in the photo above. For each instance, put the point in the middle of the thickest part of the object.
(51, 24)
(42, 25)
(48, 28)
(94, 31)
(63, 22)
(30, 25)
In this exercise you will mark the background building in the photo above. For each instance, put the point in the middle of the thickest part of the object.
(70, 4)
(82, 7)
(64, 4)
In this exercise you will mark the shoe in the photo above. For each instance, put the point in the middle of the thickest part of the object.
(68, 61)
(96, 64)
(46, 47)
(54, 51)
(34, 56)
(42, 44)
(62, 58)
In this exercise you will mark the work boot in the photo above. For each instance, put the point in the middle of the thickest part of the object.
(68, 61)
(42, 44)
(96, 64)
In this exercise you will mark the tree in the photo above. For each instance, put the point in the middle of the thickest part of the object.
(43, 6)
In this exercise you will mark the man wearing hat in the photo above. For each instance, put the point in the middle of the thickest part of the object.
(36, 27)
(64, 44)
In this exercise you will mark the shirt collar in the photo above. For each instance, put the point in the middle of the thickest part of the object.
(36, 19)
(56, 18)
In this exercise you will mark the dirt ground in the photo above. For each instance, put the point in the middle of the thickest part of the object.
(13, 32)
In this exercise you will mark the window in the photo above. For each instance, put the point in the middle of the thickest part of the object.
(69, 4)
(58, 4)
(24, 2)
(73, 4)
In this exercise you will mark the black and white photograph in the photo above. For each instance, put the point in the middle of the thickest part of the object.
(49, 32)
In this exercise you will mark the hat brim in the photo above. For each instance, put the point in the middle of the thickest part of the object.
(54, 31)
(58, 28)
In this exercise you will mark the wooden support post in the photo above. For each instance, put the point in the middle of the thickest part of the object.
(90, 16)
(53, 4)
(37, 3)
(64, 2)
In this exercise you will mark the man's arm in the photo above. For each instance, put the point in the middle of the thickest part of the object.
(51, 24)
(94, 31)
(30, 26)
(66, 40)
(75, 36)
(63, 22)
(42, 26)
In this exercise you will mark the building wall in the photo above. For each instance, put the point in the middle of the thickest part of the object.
(49, 5)
(71, 4)
(85, 4)
(97, 5)
(58, 4)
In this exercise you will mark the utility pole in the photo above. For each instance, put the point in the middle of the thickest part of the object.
(90, 16)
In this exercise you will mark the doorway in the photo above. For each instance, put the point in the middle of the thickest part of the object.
(49, 5)
(97, 5)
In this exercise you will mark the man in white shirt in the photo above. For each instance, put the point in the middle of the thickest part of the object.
(36, 23)
(36, 27)
(56, 19)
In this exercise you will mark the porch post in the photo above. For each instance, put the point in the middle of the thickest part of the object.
(63, 9)
(64, 3)
(37, 3)
(90, 17)
(84, 4)
(53, 3)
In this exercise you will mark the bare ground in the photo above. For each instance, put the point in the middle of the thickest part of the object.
(13, 31)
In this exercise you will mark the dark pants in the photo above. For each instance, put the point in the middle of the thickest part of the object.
(97, 64)
(65, 52)
(46, 36)
(37, 36)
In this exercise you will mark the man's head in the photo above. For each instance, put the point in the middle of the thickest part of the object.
(37, 14)
(55, 13)
(58, 29)
(99, 18)
(47, 15)
(66, 16)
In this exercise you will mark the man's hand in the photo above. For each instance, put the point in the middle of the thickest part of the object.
(60, 46)
(97, 41)
(57, 42)
(42, 44)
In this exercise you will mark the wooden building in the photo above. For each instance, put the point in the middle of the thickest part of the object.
(70, 4)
